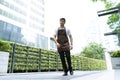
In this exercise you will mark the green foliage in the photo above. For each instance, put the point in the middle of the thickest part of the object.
(114, 22)
(28, 59)
(91, 64)
(4, 46)
(93, 50)
(108, 5)
(115, 54)
(114, 19)
(84, 63)
(99, 0)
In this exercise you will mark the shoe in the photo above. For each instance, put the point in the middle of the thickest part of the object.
(71, 72)
(65, 74)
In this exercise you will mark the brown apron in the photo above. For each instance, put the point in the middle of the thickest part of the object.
(62, 39)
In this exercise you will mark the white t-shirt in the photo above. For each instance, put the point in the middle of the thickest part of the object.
(68, 32)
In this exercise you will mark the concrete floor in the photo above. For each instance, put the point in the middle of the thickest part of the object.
(78, 75)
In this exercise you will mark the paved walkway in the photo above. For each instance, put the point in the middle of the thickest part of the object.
(78, 75)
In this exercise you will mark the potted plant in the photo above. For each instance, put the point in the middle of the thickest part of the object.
(115, 59)
(4, 56)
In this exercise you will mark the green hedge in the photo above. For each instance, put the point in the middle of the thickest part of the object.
(4, 46)
(115, 54)
(29, 59)
(92, 64)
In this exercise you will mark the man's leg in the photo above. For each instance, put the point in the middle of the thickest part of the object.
(62, 57)
(69, 61)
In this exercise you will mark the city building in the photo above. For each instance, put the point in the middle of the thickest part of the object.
(110, 41)
(94, 33)
(22, 21)
(52, 44)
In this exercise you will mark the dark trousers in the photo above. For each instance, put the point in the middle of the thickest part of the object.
(65, 55)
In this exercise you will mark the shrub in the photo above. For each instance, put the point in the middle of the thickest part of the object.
(4, 46)
(115, 54)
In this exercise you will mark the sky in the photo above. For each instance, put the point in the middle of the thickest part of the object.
(78, 13)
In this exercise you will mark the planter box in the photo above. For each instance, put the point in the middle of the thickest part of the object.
(115, 63)
(4, 56)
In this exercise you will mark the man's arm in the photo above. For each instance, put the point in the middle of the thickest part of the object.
(71, 41)
(55, 39)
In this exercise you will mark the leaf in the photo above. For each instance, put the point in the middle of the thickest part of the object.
(93, 50)
(108, 5)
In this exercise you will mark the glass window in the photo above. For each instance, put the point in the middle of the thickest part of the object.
(4, 24)
(11, 6)
(42, 22)
(15, 29)
(1, 23)
(1, 26)
(44, 41)
(43, 15)
(6, 3)
(0, 11)
(11, 32)
(10, 15)
(16, 9)
(5, 13)
(1, 1)
(9, 27)
(14, 36)
(7, 35)
(14, 17)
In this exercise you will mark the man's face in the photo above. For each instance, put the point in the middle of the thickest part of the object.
(62, 22)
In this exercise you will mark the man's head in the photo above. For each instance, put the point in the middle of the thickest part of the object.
(62, 21)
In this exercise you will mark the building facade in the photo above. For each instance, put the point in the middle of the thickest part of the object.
(94, 33)
(22, 21)
(111, 41)
(52, 44)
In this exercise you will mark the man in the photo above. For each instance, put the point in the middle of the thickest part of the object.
(64, 42)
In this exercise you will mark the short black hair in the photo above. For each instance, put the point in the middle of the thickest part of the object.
(63, 19)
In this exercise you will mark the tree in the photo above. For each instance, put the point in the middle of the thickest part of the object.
(114, 19)
(93, 50)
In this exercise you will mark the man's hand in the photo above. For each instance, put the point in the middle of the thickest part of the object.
(58, 45)
(71, 47)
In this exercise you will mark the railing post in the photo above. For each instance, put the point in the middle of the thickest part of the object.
(81, 61)
(73, 63)
(56, 61)
(12, 58)
(48, 61)
(78, 63)
(27, 59)
(39, 61)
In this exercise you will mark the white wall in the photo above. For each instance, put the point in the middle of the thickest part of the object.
(108, 61)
